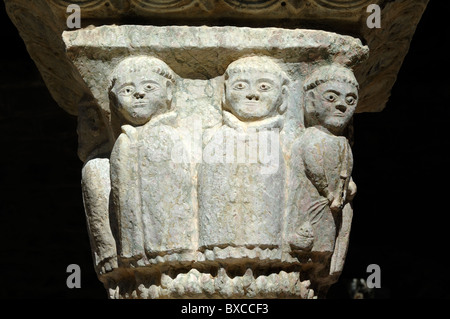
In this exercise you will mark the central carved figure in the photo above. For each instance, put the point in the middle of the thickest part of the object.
(241, 195)
(255, 89)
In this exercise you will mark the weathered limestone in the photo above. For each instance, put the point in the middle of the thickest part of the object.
(153, 196)
(41, 22)
(96, 188)
(321, 187)
(217, 161)
(248, 157)
(195, 284)
(231, 165)
(199, 57)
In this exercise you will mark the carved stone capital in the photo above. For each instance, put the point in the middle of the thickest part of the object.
(217, 155)
(215, 185)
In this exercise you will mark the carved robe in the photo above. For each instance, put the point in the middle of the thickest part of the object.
(241, 202)
(153, 194)
(321, 164)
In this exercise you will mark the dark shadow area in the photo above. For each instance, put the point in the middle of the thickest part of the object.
(401, 157)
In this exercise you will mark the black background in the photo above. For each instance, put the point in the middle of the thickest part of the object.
(401, 169)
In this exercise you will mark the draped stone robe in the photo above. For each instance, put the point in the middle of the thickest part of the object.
(241, 202)
(320, 163)
(153, 194)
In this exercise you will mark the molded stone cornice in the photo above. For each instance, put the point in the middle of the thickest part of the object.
(41, 24)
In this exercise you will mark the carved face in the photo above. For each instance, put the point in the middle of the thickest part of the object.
(142, 94)
(253, 95)
(333, 104)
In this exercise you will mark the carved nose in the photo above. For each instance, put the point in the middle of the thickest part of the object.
(139, 95)
(252, 96)
(341, 107)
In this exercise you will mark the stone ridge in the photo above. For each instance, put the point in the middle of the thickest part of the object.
(195, 284)
(299, 45)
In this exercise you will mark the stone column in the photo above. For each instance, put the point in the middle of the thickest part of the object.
(217, 159)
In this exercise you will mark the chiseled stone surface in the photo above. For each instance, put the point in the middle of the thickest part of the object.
(242, 178)
(153, 195)
(41, 22)
(199, 58)
(195, 284)
(224, 169)
(217, 161)
(321, 165)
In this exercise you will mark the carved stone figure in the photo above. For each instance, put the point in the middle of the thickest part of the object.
(227, 174)
(242, 178)
(96, 186)
(321, 162)
(152, 195)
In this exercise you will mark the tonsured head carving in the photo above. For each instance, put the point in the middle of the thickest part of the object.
(331, 96)
(255, 88)
(140, 88)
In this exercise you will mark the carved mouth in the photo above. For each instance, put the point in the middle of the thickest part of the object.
(140, 104)
(252, 103)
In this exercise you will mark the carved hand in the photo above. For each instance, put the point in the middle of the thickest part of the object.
(337, 204)
(351, 190)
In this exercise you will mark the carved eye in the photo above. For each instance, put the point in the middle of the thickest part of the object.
(239, 85)
(265, 87)
(330, 96)
(150, 87)
(127, 90)
(350, 99)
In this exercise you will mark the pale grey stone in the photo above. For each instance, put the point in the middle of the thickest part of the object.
(243, 166)
(166, 281)
(149, 190)
(96, 188)
(321, 165)
(195, 284)
(156, 216)
(40, 23)
(241, 197)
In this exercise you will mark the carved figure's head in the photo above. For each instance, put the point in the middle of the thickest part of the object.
(140, 88)
(331, 96)
(255, 88)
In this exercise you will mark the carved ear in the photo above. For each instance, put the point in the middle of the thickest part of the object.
(169, 90)
(224, 106)
(284, 95)
(309, 102)
(309, 108)
(113, 105)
